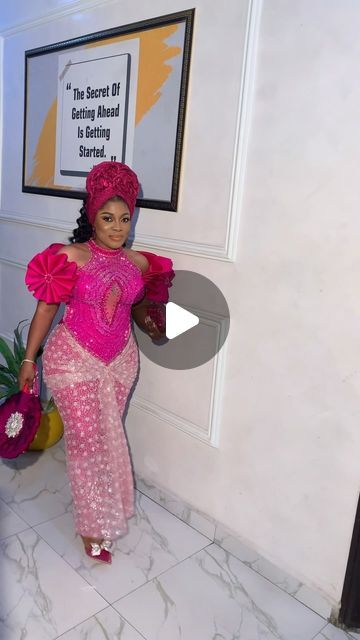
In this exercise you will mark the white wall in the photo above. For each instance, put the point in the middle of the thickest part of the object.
(296, 374)
(19, 14)
(284, 472)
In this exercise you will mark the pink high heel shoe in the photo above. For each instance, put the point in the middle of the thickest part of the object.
(100, 552)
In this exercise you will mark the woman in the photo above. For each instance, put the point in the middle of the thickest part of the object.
(90, 360)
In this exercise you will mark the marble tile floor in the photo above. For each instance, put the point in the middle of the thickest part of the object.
(167, 580)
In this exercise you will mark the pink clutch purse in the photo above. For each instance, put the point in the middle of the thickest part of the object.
(20, 417)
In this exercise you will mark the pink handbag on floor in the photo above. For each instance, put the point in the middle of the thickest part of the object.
(20, 417)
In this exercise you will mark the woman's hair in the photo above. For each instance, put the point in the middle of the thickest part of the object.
(84, 230)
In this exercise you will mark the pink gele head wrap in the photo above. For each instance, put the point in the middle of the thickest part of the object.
(109, 179)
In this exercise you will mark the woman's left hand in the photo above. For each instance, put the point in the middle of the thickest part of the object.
(152, 329)
(140, 314)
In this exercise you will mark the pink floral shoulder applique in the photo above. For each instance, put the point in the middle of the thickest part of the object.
(51, 276)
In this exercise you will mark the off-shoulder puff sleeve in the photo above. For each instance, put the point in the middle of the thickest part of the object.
(158, 277)
(51, 276)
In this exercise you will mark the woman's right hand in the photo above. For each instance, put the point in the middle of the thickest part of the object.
(26, 375)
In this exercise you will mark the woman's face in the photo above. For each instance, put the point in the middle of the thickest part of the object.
(112, 224)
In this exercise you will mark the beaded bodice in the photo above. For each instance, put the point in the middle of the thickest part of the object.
(99, 312)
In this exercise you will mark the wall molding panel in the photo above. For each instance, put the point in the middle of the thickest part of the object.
(158, 242)
(208, 433)
(13, 263)
(52, 224)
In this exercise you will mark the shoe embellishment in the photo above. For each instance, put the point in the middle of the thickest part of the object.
(100, 552)
(95, 549)
(106, 544)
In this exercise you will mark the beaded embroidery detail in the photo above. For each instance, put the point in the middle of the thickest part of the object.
(99, 312)
(14, 424)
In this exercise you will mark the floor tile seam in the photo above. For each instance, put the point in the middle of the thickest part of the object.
(81, 622)
(73, 568)
(272, 583)
(345, 630)
(29, 524)
(276, 585)
(177, 564)
(110, 603)
(62, 558)
(321, 630)
(131, 624)
(37, 524)
(32, 527)
(212, 541)
(22, 517)
(28, 528)
(244, 563)
(176, 516)
(94, 615)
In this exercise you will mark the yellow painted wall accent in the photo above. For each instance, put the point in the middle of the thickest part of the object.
(44, 157)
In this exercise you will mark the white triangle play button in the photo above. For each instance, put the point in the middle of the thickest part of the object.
(178, 320)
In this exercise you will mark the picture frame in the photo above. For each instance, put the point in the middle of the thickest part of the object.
(117, 94)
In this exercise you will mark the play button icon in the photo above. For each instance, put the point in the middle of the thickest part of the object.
(178, 320)
(197, 324)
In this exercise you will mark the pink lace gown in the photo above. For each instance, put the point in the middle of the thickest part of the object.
(90, 363)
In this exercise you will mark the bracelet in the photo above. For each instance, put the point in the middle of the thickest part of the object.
(27, 360)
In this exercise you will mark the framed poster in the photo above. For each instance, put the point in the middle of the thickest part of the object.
(118, 94)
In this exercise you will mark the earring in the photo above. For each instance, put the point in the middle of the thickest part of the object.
(93, 232)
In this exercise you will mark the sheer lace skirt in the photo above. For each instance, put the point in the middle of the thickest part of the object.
(91, 398)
